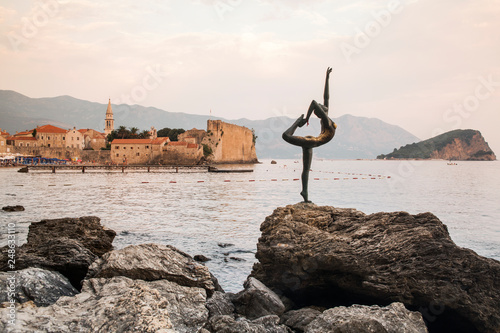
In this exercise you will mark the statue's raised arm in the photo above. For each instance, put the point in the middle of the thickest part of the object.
(326, 95)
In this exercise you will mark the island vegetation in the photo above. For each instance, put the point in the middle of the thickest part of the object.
(456, 145)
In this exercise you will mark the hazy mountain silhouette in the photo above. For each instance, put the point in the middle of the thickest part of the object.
(356, 137)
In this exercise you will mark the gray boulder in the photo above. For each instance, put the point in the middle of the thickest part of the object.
(299, 319)
(34, 284)
(150, 262)
(256, 300)
(394, 318)
(185, 305)
(117, 305)
(66, 245)
(228, 324)
(220, 305)
(67, 256)
(327, 256)
(87, 230)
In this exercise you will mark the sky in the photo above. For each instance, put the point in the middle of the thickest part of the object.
(427, 66)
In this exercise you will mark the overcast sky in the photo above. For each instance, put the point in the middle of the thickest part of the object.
(428, 66)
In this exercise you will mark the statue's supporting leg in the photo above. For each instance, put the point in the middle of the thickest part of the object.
(307, 154)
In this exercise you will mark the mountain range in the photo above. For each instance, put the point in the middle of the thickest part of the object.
(356, 137)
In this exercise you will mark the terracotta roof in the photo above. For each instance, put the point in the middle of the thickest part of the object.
(132, 141)
(50, 129)
(83, 130)
(159, 141)
(177, 143)
(192, 145)
(4, 133)
(22, 138)
(25, 133)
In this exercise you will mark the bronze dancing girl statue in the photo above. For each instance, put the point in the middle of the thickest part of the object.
(309, 142)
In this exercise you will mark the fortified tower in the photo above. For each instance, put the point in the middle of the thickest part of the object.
(110, 122)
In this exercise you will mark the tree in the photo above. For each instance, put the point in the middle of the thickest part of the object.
(34, 133)
(133, 131)
(171, 133)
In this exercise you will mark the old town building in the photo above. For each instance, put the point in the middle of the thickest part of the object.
(137, 151)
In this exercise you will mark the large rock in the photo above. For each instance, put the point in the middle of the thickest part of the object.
(329, 256)
(394, 318)
(299, 319)
(228, 324)
(117, 305)
(257, 300)
(150, 262)
(185, 305)
(66, 245)
(34, 284)
(87, 230)
(220, 304)
(67, 256)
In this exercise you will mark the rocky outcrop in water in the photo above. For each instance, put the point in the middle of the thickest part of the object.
(67, 245)
(13, 208)
(326, 256)
(462, 145)
(321, 269)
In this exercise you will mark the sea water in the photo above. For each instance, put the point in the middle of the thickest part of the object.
(198, 212)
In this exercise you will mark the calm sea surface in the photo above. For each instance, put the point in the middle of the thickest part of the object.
(203, 209)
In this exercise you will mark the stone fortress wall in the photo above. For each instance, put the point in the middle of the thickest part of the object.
(230, 143)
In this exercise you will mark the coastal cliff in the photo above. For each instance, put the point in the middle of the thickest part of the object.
(461, 145)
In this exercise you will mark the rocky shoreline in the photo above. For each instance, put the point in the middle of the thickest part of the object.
(320, 269)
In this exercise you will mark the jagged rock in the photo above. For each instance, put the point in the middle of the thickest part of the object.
(150, 262)
(66, 245)
(201, 258)
(394, 318)
(13, 208)
(67, 256)
(224, 245)
(328, 256)
(34, 284)
(119, 305)
(87, 230)
(220, 305)
(256, 300)
(227, 324)
(299, 319)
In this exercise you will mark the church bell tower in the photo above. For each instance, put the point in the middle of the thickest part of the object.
(110, 122)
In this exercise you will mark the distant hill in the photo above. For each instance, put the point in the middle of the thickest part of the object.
(465, 145)
(356, 137)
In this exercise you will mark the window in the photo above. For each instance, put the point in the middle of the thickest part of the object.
(77, 138)
(124, 147)
(117, 155)
(48, 145)
(64, 138)
(132, 148)
(72, 138)
(147, 147)
(138, 154)
(42, 137)
(48, 138)
(117, 147)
